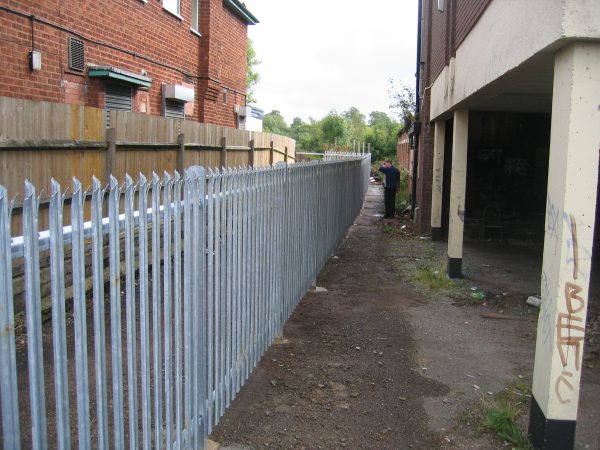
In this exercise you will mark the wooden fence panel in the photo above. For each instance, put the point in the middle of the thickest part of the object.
(238, 158)
(206, 158)
(202, 133)
(134, 161)
(261, 158)
(94, 128)
(26, 120)
(135, 127)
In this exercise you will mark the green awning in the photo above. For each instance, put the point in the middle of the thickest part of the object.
(122, 75)
(240, 10)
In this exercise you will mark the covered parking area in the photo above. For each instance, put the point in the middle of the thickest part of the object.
(517, 162)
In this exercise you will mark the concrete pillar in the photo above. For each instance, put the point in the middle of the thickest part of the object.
(438, 180)
(569, 233)
(457, 193)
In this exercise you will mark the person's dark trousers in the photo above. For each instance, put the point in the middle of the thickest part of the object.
(389, 200)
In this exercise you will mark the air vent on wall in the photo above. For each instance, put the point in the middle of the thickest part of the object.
(174, 109)
(76, 55)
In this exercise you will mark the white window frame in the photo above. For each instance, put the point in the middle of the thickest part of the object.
(173, 6)
(196, 16)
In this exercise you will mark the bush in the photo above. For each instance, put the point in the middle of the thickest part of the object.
(403, 194)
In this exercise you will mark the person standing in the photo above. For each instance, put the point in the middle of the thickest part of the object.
(391, 182)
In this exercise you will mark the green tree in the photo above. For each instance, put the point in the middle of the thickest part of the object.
(308, 136)
(355, 122)
(334, 129)
(382, 135)
(274, 122)
(252, 76)
(402, 101)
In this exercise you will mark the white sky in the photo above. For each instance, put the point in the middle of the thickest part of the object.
(319, 55)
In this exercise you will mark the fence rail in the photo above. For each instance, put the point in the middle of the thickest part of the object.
(214, 264)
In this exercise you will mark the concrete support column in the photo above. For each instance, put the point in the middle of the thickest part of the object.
(438, 179)
(569, 233)
(457, 193)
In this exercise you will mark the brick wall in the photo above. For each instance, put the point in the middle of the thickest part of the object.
(225, 49)
(467, 15)
(128, 34)
(403, 151)
(424, 171)
(449, 28)
(438, 26)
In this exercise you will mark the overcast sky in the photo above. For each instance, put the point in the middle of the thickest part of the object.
(319, 55)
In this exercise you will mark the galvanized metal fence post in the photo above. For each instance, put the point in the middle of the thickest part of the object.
(8, 363)
(33, 318)
(79, 315)
(59, 316)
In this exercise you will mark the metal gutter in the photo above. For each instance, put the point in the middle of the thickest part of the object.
(241, 11)
(417, 124)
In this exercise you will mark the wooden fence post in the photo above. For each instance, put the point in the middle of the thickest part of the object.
(251, 158)
(286, 155)
(271, 151)
(181, 153)
(223, 151)
(111, 154)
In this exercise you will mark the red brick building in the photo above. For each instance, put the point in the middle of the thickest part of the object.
(159, 57)
(404, 150)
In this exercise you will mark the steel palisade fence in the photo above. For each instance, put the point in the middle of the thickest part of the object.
(214, 264)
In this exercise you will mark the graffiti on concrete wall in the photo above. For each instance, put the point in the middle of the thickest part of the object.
(570, 325)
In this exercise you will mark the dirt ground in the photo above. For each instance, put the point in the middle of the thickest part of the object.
(377, 362)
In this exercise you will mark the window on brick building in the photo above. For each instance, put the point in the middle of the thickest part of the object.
(196, 15)
(172, 6)
(117, 97)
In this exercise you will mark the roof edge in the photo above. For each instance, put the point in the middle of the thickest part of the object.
(240, 10)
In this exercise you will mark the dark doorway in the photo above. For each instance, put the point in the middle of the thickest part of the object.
(507, 173)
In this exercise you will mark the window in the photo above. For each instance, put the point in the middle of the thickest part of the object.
(196, 15)
(118, 97)
(172, 6)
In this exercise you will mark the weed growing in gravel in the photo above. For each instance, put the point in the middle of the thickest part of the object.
(433, 277)
(388, 229)
(501, 415)
(430, 253)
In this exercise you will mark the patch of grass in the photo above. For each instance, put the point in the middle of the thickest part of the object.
(501, 415)
(388, 229)
(433, 277)
(500, 418)
(430, 253)
(465, 418)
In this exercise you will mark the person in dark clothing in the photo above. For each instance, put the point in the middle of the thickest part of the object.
(391, 182)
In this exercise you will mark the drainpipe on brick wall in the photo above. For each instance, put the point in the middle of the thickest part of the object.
(417, 126)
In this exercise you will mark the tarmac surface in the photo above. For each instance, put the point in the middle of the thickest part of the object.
(375, 360)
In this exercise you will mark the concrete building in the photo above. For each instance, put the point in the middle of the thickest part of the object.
(162, 57)
(508, 143)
